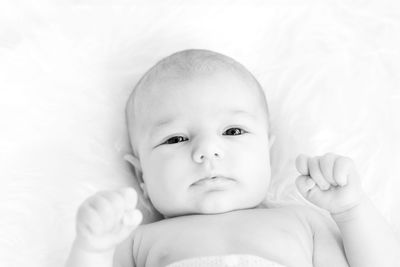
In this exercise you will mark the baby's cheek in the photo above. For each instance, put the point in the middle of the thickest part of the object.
(257, 168)
(166, 175)
(256, 156)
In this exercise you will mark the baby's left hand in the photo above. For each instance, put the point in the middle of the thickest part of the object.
(330, 182)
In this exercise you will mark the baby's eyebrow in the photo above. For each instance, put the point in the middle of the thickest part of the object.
(241, 112)
(165, 121)
(159, 124)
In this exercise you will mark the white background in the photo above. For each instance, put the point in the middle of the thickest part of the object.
(330, 70)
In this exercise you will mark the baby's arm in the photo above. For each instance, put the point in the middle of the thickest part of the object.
(331, 182)
(367, 237)
(328, 248)
(103, 221)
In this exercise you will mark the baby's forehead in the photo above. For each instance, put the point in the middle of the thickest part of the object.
(184, 65)
(165, 84)
(162, 83)
(227, 90)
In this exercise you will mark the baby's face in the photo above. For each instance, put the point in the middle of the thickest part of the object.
(203, 145)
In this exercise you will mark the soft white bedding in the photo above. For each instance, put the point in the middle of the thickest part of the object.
(330, 69)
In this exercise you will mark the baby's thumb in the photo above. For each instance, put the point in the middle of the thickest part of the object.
(302, 164)
(307, 188)
(130, 221)
(132, 218)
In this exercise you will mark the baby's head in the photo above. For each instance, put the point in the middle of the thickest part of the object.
(198, 126)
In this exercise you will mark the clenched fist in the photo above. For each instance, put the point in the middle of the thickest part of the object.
(330, 182)
(106, 219)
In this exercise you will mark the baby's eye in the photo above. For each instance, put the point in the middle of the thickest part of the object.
(175, 139)
(234, 131)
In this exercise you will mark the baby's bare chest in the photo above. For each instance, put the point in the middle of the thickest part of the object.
(267, 235)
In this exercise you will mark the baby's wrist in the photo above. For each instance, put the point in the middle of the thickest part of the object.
(82, 245)
(351, 212)
(81, 256)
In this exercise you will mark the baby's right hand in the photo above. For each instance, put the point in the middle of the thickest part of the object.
(107, 218)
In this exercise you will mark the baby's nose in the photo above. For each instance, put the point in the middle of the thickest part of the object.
(207, 151)
(200, 158)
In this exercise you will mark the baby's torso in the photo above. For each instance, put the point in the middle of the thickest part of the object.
(279, 235)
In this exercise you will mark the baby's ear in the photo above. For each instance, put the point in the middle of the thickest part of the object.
(134, 161)
(150, 214)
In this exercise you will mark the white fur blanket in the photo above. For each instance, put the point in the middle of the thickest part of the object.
(330, 69)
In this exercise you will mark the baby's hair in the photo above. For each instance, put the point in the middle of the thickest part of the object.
(184, 64)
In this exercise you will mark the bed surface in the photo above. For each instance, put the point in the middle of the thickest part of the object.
(330, 70)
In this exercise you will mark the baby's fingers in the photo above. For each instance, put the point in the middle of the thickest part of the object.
(316, 174)
(304, 184)
(308, 189)
(89, 221)
(341, 170)
(326, 164)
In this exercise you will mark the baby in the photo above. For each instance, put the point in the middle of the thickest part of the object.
(198, 125)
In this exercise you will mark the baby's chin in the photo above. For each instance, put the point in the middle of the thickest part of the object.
(205, 207)
(222, 205)
(216, 202)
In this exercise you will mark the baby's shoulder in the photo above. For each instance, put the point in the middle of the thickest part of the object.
(306, 215)
(317, 220)
(327, 240)
(127, 251)
(304, 212)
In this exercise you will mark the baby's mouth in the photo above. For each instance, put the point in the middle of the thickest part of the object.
(218, 179)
